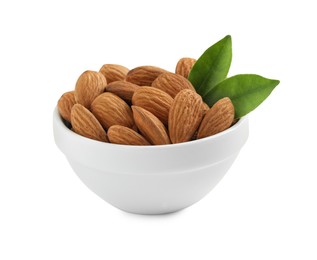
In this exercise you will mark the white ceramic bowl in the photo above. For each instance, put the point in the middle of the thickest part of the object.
(151, 179)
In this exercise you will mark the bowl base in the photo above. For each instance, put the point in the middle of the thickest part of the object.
(153, 194)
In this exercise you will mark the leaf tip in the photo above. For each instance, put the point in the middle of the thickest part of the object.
(228, 38)
(276, 82)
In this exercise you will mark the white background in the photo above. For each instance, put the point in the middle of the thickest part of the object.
(264, 208)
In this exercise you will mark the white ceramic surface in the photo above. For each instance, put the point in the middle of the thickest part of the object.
(151, 179)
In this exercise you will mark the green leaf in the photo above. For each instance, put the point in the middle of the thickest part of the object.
(246, 91)
(212, 67)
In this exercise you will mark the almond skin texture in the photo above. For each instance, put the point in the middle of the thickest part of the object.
(84, 123)
(89, 85)
(172, 83)
(110, 110)
(122, 89)
(184, 65)
(114, 72)
(119, 134)
(65, 104)
(185, 116)
(205, 107)
(150, 126)
(155, 101)
(144, 75)
(217, 119)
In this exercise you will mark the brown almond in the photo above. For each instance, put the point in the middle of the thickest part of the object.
(119, 134)
(155, 101)
(150, 126)
(113, 72)
(84, 123)
(110, 110)
(184, 66)
(89, 85)
(122, 89)
(144, 75)
(217, 119)
(205, 107)
(172, 83)
(185, 116)
(65, 104)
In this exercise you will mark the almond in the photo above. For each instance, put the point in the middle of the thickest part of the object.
(155, 101)
(110, 110)
(205, 107)
(217, 119)
(122, 89)
(65, 104)
(89, 85)
(114, 72)
(185, 116)
(84, 123)
(172, 83)
(119, 134)
(144, 75)
(184, 65)
(150, 126)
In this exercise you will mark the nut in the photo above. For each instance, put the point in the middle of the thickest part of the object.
(172, 83)
(185, 116)
(155, 101)
(150, 126)
(89, 85)
(144, 75)
(110, 110)
(217, 119)
(65, 104)
(84, 123)
(205, 107)
(184, 65)
(119, 134)
(114, 72)
(122, 89)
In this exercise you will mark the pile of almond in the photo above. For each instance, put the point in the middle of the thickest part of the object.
(143, 106)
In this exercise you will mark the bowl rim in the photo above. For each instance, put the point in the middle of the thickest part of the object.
(59, 121)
